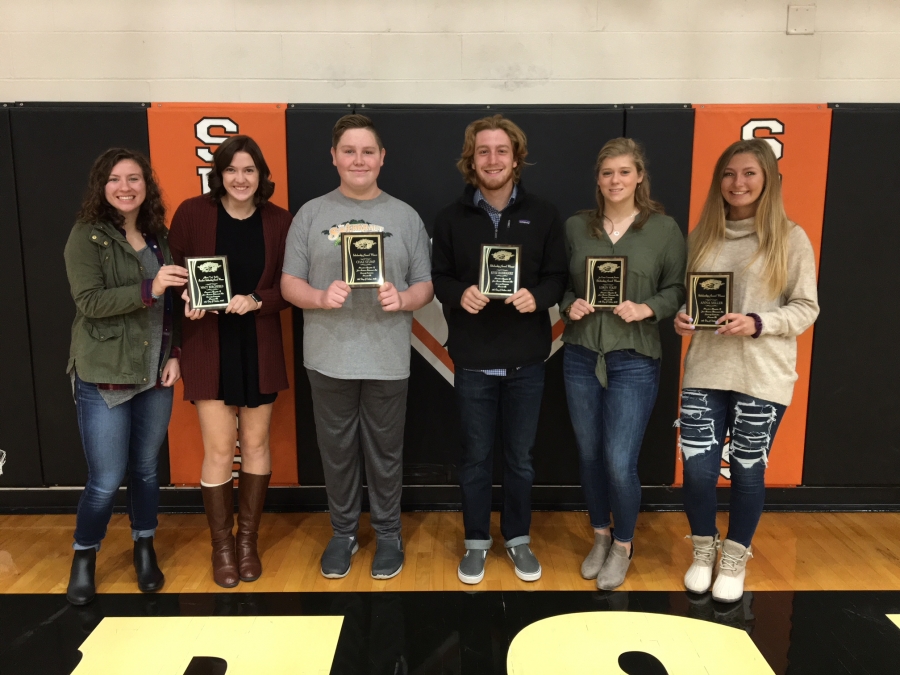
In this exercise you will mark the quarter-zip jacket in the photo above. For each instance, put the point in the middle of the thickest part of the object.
(109, 334)
(499, 336)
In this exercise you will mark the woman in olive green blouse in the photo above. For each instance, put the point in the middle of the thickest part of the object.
(612, 357)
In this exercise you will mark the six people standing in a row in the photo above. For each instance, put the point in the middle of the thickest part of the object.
(130, 345)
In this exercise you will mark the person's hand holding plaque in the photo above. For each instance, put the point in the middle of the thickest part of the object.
(522, 300)
(168, 276)
(630, 311)
(473, 300)
(390, 298)
(684, 325)
(241, 304)
(738, 325)
(190, 312)
(335, 295)
(579, 309)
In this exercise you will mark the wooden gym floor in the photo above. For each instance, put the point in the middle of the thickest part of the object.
(792, 551)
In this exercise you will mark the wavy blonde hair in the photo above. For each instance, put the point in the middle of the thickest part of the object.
(466, 164)
(621, 147)
(772, 224)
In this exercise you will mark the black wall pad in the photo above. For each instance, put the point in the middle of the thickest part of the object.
(310, 175)
(18, 420)
(54, 146)
(447, 498)
(853, 425)
(310, 171)
(667, 134)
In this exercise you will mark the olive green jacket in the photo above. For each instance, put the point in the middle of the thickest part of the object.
(110, 342)
(655, 276)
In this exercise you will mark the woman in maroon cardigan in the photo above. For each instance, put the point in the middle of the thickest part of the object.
(233, 361)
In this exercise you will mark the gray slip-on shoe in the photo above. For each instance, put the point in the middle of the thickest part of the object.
(612, 574)
(388, 560)
(471, 567)
(590, 568)
(527, 566)
(336, 557)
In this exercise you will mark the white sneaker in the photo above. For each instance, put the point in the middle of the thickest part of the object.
(729, 586)
(699, 575)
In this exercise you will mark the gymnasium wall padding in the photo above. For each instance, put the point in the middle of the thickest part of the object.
(853, 426)
(18, 420)
(54, 146)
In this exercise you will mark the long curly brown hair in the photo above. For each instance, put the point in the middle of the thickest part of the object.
(95, 208)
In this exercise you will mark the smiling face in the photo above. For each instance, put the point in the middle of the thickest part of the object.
(493, 159)
(358, 160)
(743, 181)
(126, 189)
(240, 178)
(618, 178)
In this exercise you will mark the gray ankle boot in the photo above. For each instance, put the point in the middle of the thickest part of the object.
(612, 574)
(590, 568)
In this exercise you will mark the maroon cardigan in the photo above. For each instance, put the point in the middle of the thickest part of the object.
(193, 234)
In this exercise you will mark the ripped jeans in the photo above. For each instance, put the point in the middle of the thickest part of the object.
(708, 418)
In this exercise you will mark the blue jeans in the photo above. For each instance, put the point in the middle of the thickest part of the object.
(516, 399)
(124, 439)
(609, 428)
(708, 417)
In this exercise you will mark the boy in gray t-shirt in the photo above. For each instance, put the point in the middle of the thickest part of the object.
(356, 343)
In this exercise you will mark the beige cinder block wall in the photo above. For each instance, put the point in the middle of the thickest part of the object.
(438, 51)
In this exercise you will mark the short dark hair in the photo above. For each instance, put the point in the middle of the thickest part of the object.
(348, 122)
(95, 208)
(222, 159)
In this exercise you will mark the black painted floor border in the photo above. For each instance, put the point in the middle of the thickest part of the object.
(447, 632)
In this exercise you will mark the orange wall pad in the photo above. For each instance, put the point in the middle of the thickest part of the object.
(183, 137)
(800, 136)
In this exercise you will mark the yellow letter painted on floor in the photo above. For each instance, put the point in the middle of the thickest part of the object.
(895, 618)
(251, 645)
(580, 644)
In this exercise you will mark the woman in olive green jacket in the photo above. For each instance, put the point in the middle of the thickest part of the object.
(612, 360)
(123, 358)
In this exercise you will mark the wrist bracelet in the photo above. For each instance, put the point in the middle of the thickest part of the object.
(758, 323)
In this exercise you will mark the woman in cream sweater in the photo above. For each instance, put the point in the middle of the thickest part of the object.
(739, 378)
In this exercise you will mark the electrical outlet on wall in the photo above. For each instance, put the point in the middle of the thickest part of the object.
(801, 20)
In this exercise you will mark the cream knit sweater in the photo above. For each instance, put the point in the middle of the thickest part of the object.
(763, 367)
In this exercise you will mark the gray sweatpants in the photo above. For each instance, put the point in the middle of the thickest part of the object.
(367, 415)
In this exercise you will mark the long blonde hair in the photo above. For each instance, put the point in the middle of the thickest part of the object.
(620, 147)
(772, 224)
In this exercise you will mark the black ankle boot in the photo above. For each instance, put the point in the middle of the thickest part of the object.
(149, 577)
(81, 579)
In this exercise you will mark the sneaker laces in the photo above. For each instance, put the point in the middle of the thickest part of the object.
(732, 563)
(705, 554)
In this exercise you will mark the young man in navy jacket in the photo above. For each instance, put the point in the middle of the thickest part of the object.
(498, 346)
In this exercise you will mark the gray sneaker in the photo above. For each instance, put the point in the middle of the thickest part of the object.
(527, 566)
(388, 559)
(471, 567)
(612, 574)
(336, 557)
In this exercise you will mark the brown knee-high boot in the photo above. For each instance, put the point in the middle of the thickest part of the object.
(218, 501)
(251, 497)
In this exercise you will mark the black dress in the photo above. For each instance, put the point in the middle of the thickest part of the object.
(244, 244)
